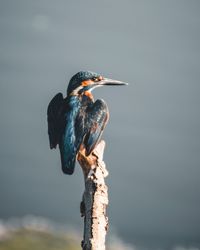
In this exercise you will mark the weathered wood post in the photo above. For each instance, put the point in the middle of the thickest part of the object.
(95, 199)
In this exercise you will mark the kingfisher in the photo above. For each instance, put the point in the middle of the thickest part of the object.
(77, 121)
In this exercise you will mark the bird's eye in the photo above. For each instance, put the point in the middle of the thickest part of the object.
(95, 79)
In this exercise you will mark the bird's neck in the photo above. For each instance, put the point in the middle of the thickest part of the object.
(86, 95)
(89, 95)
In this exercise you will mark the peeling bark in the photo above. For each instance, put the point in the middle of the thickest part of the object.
(95, 199)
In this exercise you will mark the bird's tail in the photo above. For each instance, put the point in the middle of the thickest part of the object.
(68, 160)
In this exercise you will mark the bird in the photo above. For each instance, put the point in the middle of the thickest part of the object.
(78, 121)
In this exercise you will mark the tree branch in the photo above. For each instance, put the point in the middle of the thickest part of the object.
(95, 199)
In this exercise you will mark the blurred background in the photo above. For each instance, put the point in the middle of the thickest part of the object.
(153, 138)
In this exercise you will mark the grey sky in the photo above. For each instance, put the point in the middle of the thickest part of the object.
(153, 138)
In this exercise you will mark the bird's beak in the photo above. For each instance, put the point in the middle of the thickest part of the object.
(111, 82)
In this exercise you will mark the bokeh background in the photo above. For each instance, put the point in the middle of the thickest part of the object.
(153, 137)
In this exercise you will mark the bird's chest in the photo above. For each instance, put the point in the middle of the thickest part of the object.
(85, 104)
(76, 116)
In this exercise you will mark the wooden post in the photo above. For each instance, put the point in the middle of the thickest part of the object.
(95, 199)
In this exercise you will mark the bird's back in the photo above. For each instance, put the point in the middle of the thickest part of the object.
(74, 131)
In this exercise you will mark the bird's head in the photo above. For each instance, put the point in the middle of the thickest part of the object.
(86, 81)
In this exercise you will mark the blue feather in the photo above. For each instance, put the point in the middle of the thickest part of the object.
(68, 144)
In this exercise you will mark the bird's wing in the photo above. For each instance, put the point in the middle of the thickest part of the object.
(72, 136)
(97, 117)
(55, 119)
